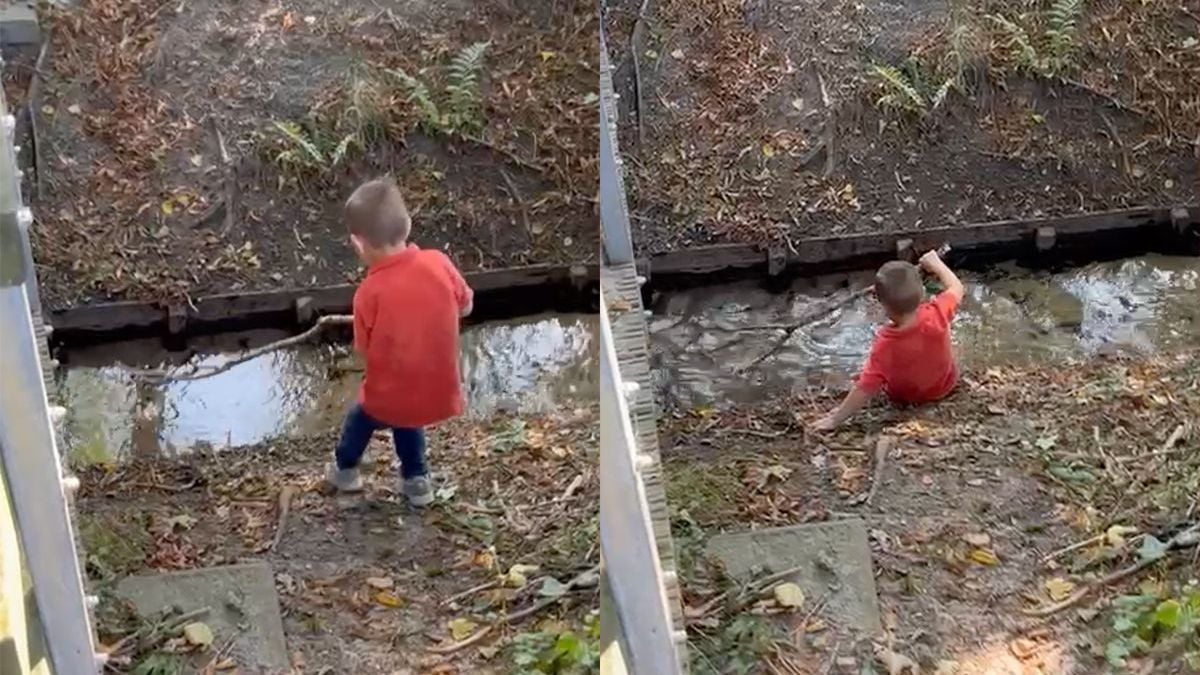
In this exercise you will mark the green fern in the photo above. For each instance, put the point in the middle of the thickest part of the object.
(1017, 43)
(461, 111)
(301, 150)
(1062, 21)
(462, 88)
(418, 94)
(899, 91)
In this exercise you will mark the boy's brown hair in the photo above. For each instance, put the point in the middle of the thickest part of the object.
(376, 213)
(898, 287)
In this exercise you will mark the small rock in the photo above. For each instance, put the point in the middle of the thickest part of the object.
(74, 109)
(1168, 184)
(979, 540)
(1138, 172)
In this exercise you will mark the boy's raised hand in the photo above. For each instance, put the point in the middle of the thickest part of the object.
(930, 261)
(826, 423)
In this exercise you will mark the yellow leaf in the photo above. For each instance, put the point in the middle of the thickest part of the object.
(768, 151)
(168, 207)
(484, 559)
(1059, 588)
(546, 55)
(198, 633)
(461, 629)
(984, 557)
(789, 595)
(388, 599)
(517, 575)
(1115, 536)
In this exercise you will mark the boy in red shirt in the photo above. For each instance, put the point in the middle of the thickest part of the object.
(406, 314)
(911, 359)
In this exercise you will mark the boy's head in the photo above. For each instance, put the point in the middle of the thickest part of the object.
(377, 218)
(898, 287)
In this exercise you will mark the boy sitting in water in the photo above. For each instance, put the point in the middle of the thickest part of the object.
(911, 359)
(406, 314)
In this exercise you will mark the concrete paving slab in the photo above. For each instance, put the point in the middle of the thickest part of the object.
(242, 603)
(834, 560)
(19, 24)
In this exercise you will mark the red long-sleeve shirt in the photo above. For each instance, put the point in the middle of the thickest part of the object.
(914, 364)
(406, 315)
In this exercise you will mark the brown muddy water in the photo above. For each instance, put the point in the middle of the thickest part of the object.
(705, 341)
(529, 365)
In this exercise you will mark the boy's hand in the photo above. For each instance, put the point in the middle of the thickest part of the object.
(930, 261)
(826, 423)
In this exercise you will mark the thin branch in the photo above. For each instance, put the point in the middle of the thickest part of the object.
(197, 373)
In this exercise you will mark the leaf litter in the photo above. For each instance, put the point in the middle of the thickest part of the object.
(988, 557)
(158, 186)
(505, 554)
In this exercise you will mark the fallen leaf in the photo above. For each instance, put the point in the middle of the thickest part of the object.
(789, 595)
(74, 109)
(1046, 442)
(678, 53)
(382, 583)
(984, 556)
(388, 599)
(1115, 536)
(546, 55)
(198, 633)
(1151, 548)
(978, 540)
(517, 575)
(168, 207)
(768, 151)
(552, 588)
(484, 559)
(896, 663)
(1059, 588)
(460, 629)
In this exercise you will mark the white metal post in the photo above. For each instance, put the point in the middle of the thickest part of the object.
(626, 532)
(614, 211)
(40, 498)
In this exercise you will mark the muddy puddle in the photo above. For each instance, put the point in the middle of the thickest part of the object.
(707, 342)
(527, 366)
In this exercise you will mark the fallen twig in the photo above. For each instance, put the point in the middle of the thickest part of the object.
(1168, 448)
(469, 592)
(231, 184)
(635, 39)
(285, 505)
(159, 375)
(1185, 539)
(882, 447)
(32, 108)
(581, 579)
(819, 312)
(516, 195)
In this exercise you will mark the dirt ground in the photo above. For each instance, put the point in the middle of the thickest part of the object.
(368, 584)
(762, 121)
(159, 169)
(975, 501)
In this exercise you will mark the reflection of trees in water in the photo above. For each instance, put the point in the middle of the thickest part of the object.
(529, 364)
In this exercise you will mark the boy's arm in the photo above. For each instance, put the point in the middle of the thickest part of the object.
(854, 401)
(364, 320)
(462, 292)
(869, 383)
(931, 262)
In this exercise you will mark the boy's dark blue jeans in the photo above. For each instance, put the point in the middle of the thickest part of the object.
(357, 432)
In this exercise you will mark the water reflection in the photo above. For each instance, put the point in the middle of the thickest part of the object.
(528, 365)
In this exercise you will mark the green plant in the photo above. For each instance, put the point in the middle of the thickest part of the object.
(460, 112)
(304, 150)
(159, 663)
(908, 92)
(553, 652)
(1143, 623)
(738, 648)
(1042, 43)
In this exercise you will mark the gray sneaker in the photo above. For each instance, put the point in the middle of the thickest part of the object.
(419, 490)
(345, 480)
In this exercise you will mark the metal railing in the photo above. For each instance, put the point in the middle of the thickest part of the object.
(40, 492)
(636, 579)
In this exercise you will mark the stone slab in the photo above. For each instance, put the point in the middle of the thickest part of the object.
(834, 560)
(242, 602)
(19, 24)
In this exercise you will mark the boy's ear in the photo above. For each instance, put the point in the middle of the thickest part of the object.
(356, 243)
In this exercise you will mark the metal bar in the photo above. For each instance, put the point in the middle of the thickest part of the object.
(27, 445)
(614, 212)
(627, 543)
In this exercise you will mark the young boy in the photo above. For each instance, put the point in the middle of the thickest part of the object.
(406, 314)
(911, 359)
